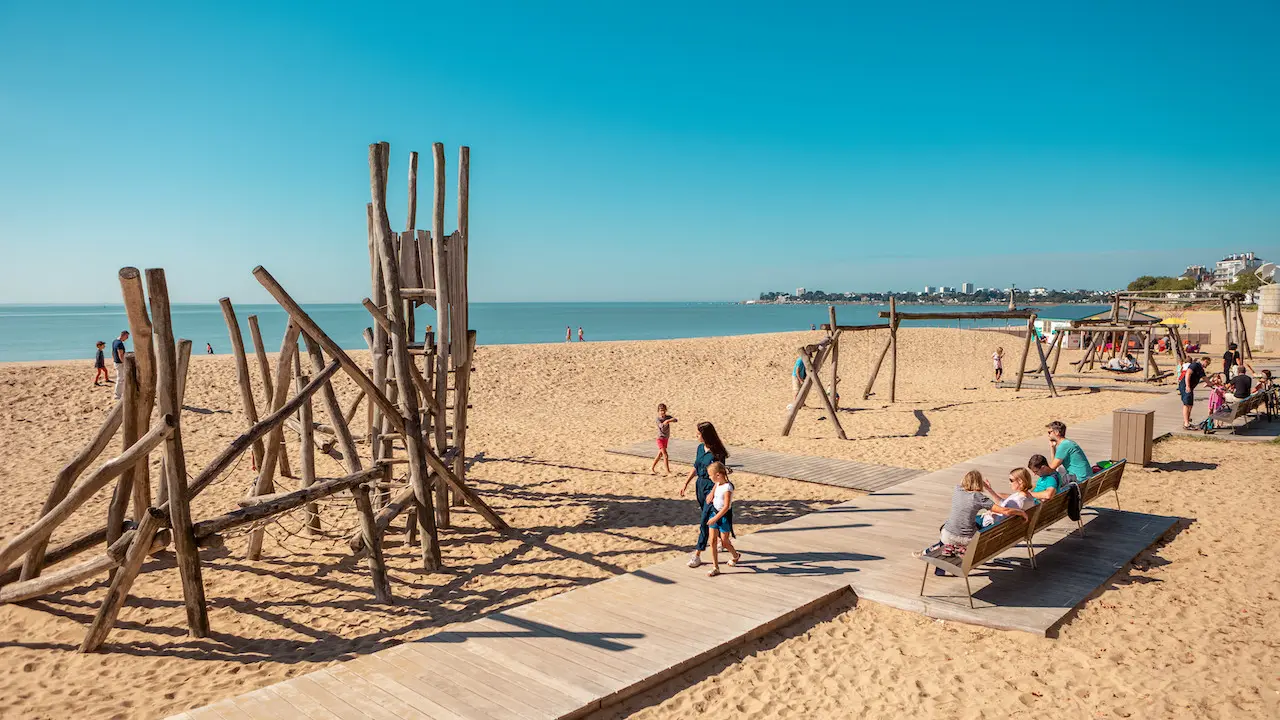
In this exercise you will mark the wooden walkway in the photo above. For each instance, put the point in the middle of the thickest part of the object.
(806, 468)
(573, 653)
(1070, 384)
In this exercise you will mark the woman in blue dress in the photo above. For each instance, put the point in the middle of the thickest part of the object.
(710, 450)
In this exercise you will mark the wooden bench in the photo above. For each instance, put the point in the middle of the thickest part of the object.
(995, 540)
(1241, 409)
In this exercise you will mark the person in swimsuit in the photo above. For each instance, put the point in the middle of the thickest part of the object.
(710, 450)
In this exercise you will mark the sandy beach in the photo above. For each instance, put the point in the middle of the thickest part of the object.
(543, 416)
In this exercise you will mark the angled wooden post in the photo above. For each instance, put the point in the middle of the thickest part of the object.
(135, 305)
(306, 446)
(378, 341)
(184, 541)
(1026, 349)
(265, 483)
(822, 393)
(1044, 365)
(122, 580)
(875, 368)
(65, 479)
(242, 373)
(269, 388)
(798, 401)
(123, 494)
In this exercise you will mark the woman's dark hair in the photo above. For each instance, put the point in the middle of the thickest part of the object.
(711, 439)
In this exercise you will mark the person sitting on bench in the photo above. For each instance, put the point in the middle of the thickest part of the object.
(1015, 503)
(1047, 482)
(1067, 454)
(1241, 383)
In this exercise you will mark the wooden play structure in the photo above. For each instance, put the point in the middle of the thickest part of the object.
(413, 451)
(1123, 330)
(815, 356)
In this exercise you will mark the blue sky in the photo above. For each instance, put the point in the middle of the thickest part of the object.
(681, 151)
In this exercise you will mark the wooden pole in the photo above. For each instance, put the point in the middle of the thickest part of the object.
(275, 440)
(443, 282)
(150, 524)
(269, 388)
(306, 446)
(893, 348)
(835, 358)
(1147, 340)
(798, 401)
(410, 223)
(184, 364)
(1246, 351)
(242, 373)
(410, 425)
(373, 541)
(275, 504)
(135, 305)
(1026, 349)
(875, 368)
(822, 394)
(184, 542)
(83, 491)
(69, 549)
(124, 489)
(353, 370)
(461, 398)
(65, 478)
(1063, 338)
(1044, 366)
(229, 454)
(378, 343)
(1226, 324)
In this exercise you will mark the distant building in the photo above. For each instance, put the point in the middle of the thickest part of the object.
(1199, 273)
(966, 288)
(799, 292)
(928, 290)
(1229, 268)
(1037, 292)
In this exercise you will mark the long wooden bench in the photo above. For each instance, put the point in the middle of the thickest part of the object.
(1240, 409)
(995, 540)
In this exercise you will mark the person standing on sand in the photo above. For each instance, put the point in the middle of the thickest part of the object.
(997, 359)
(720, 524)
(208, 349)
(568, 334)
(664, 437)
(798, 374)
(100, 366)
(1189, 375)
(580, 338)
(710, 450)
(117, 359)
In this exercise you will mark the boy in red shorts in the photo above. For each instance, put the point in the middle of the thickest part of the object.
(664, 435)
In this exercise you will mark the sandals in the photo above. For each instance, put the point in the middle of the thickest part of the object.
(734, 561)
(694, 562)
(714, 572)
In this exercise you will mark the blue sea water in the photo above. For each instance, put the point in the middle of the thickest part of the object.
(65, 332)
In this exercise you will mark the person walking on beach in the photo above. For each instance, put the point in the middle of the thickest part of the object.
(580, 338)
(208, 349)
(710, 450)
(798, 374)
(997, 359)
(100, 366)
(664, 437)
(568, 334)
(720, 525)
(117, 359)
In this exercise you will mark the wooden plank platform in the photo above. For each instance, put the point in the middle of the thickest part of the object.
(570, 654)
(805, 468)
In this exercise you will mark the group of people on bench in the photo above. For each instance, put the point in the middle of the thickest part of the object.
(975, 505)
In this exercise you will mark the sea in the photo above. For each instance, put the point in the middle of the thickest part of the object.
(68, 332)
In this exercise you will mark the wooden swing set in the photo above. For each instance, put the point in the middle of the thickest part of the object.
(814, 357)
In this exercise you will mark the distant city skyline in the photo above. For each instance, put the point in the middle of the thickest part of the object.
(674, 151)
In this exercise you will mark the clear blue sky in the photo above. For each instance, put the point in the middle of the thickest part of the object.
(638, 151)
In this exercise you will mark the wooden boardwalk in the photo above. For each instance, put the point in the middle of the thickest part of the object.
(806, 468)
(572, 653)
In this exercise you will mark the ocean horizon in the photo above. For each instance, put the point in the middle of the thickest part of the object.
(68, 332)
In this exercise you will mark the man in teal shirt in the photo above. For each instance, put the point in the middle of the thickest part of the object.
(1067, 453)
